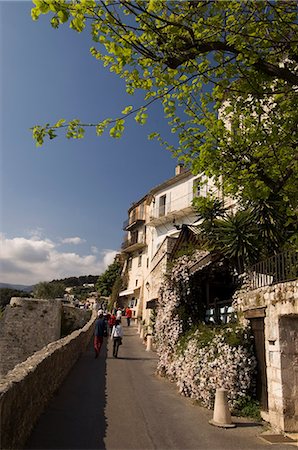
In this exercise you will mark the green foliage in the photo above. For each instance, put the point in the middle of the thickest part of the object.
(117, 287)
(52, 290)
(224, 71)
(247, 407)
(250, 234)
(232, 333)
(105, 282)
(7, 293)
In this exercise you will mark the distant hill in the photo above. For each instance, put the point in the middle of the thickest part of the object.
(78, 281)
(19, 287)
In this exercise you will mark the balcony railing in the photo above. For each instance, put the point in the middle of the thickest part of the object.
(134, 220)
(136, 242)
(277, 269)
(175, 205)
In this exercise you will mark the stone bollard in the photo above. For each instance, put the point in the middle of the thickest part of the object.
(221, 415)
(142, 333)
(149, 343)
(139, 328)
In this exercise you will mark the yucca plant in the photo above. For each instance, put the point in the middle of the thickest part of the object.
(236, 237)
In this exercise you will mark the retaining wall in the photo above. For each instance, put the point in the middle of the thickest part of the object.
(27, 326)
(26, 390)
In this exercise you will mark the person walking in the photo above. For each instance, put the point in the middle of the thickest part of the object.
(100, 332)
(111, 322)
(119, 314)
(117, 335)
(128, 313)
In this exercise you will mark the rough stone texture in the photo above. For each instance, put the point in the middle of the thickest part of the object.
(27, 325)
(25, 390)
(281, 346)
(73, 319)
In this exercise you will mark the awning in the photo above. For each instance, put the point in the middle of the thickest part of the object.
(151, 304)
(127, 292)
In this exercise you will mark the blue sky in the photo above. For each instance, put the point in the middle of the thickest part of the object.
(63, 205)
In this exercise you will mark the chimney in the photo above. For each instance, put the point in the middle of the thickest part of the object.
(179, 169)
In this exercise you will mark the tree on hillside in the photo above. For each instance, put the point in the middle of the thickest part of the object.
(199, 57)
(51, 290)
(7, 293)
(105, 282)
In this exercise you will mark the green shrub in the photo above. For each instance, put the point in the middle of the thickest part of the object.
(247, 407)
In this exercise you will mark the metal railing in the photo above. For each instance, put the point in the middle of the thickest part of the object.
(135, 240)
(174, 205)
(277, 269)
(135, 218)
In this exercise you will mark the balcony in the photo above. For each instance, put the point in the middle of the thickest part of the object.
(131, 245)
(133, 222)
(179, 207)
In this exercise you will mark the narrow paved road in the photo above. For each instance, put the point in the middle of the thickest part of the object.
(119, 404)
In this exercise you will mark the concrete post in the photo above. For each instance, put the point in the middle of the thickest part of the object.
(149, 343)
(221, 415)
(142, 333)
(139, 328)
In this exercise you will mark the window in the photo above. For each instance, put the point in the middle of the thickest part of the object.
(140, 260)
(162, 205)
(147, 264)
(136, 283)
(129, 263)
(134, 237)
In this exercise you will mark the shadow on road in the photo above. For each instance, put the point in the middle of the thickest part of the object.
(133, 359)
(75, 418)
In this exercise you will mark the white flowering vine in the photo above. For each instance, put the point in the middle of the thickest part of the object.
(198, 365)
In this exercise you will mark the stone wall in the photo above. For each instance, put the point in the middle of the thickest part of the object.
(27, 325)
(73, 319)
(279, 306)
(26, 390)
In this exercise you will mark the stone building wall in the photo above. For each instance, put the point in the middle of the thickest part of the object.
(26, 390)
(27, 325)
(279, 305)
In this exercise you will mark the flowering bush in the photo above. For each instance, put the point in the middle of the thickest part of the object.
(200, 359)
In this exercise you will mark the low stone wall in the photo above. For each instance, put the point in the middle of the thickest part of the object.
(26, 390)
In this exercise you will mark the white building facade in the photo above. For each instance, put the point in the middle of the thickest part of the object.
(153, 225)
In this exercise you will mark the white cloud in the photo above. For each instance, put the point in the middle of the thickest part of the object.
(29, 261)
(73, 240)
(94, 250)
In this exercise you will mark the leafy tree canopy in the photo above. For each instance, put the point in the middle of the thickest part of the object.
(199, 57)
(48, 291)
(77, 281)
(107, 280)
(7, 293)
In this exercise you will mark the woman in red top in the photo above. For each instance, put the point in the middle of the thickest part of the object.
(128, 313)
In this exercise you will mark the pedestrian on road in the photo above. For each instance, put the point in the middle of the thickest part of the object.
(112, 321)
(117, 335)
(100, 332)
(119, 314)
(128, 313)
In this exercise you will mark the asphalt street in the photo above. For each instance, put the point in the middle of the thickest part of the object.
(120, 404)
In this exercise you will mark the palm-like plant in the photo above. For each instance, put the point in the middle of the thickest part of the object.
(272, 229)
(208, 210)
(236, 236)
